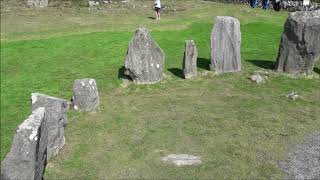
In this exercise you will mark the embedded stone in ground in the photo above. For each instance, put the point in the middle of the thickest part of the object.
(190, 60)
(257, 78)
(300, 43)
(27, 156)
(182, 159)
(85, 94)
(56, 110)
(145, 59)
(293, 95)
(38, 3)
(225, 45)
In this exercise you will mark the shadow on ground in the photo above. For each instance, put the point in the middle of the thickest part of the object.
(177, 72)
(265, 64)
(316, 70)
(203, 63)
(151, 17)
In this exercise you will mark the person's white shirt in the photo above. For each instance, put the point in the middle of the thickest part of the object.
(306, 2)
(157, 3)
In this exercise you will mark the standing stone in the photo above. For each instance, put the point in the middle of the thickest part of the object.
(85, 95)
(38, 3)
(56, 110)
(27, 156)
(145, 60)
(300, 43)
(225, 45)
(190, 60)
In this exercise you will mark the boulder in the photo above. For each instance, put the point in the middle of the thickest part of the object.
(38, 3)
(85, 94)
(257, 79)
(182, 159)
(300, 43)
(27, 156)
(190, 60)
(56, 110)
(225, 45)
(145, 60)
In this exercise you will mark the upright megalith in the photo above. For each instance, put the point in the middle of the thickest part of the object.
(56, 110)
(190, 60)
(85, 95)
(38, 3)
(145, 59)
(225, 45)
(300, 43)
(27, 156)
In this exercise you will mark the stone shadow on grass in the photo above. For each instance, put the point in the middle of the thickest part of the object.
(316, 70)
(265, 64)
(121, 74)
(203, 63)
(177, 72)
(151, 17)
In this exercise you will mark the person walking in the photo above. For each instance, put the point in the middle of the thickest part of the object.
(265, 4)
(253, 3)
(157, 8)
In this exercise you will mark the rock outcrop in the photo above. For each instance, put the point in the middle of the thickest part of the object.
(85, 94)
(190, 60)
(300, 43)
(56, 110)
(38, 3)
(145, 60)
(27, 156)
(225, 45)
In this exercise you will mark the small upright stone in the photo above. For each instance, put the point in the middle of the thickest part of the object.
(300, 43)
(56, 110)
(145, 59)
(190, 60)
(225, 45)
(27, 156)
(85, 95)
(38, 3)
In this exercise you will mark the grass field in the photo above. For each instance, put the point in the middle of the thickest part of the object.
(240, 129)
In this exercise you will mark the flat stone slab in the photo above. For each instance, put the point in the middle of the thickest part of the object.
(182, 159)
(85, 94)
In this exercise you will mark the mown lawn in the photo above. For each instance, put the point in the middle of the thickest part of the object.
(240, 129)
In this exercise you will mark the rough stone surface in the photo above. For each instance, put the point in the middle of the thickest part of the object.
(257, 79)
(182, 159)
(300, 43)
(27, 156)
(38, 3)
(145, 60)
(85, 94)
(225, 45)
(293, 95)
(190, 60)
(56, 110)
(304, 161)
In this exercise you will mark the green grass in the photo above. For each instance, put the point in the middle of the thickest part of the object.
(240, 129)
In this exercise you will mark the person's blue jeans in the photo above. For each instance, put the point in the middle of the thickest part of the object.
(265, 4)
(253, 3)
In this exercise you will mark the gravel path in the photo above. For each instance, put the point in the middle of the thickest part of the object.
(304, 161)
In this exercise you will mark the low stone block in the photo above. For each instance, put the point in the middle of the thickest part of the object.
(85, 95)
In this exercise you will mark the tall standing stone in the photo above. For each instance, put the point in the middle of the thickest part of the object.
(190, 60)
(85, 94)
(145, 59)
(27, 156)
(300, 43)
(225, 45)
(38, 3)
(56, 110)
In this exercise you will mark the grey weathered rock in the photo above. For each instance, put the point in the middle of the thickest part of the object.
(56, 110)
(293, 95)
(300, 43)
(257, 78)
(85, 94)
(225, 45)
(182, 159)
(38, 3)
(145, 60)
(190, 60)
(27, 156)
